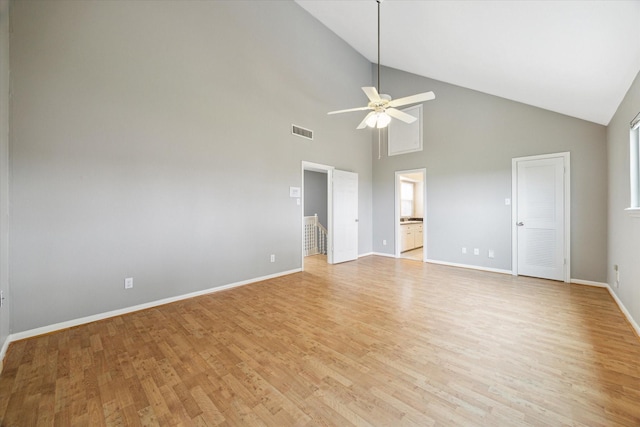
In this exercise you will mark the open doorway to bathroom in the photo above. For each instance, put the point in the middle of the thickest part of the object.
(410, 214)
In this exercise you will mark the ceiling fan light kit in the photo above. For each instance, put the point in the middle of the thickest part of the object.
(383, 106)
(378, 120)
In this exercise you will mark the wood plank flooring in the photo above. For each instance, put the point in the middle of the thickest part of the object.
(378, 341)
(414, 254)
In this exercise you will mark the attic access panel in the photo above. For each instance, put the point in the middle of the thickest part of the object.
(406, 137)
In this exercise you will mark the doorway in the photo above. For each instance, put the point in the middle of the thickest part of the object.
(315, 213)
(316, 199)
(541, 216)
(341, 211)
(410, 214)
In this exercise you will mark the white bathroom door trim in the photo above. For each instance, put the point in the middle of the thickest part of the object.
(397, 229)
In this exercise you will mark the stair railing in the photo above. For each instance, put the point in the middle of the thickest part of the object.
(315, 236)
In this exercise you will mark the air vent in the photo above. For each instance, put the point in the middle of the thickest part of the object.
(302, 132)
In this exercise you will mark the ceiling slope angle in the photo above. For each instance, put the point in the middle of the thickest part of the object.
(576, 58)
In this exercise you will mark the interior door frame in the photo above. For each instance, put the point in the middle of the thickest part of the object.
(317, 167)
(397, 228)
(566, 156)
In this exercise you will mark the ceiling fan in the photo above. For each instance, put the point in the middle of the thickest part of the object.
(383, 107)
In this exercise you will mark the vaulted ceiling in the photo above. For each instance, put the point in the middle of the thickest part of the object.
(577, 58)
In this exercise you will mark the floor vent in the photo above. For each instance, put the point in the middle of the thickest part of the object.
(302, 132)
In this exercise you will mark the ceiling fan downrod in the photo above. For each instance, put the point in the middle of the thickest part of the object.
(379, 1)
(382, 107)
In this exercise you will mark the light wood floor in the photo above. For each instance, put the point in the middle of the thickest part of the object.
(414, 254)
(377, 342)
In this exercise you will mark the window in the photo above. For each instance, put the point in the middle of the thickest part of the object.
(407, 190)
(634, 155)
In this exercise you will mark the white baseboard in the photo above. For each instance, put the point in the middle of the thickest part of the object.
(621, 306)
(364, 255)
(589, 283)
(3, 352)
(624, 311)
(473, 267)
(83, 320)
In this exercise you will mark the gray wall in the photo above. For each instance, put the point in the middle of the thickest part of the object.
(315, 195)
(624, 231)
(469, 141)
(152, 140)
(4, 168)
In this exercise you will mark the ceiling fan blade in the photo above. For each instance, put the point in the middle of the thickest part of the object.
(349, 110)
(372, 93)
(400, 115)
(413, 99)
(363, 123)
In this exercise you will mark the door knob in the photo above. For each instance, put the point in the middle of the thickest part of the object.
(520, 224)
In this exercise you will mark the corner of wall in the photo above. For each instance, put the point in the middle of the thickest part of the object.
(4, 177)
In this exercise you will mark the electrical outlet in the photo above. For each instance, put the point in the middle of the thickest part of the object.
(616, 268)
(1, 298)
(464, 250)
(128, 283)
(273, 258)
(384, 243)
(476, 251)
(491, 253)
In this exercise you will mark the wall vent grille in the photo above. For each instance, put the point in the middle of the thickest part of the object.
(302, 132)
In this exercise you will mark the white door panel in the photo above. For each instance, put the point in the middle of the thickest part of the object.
(540, 218)
(345, 216)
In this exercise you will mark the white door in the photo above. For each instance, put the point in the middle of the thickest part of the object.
(345, 216)
(541, 226)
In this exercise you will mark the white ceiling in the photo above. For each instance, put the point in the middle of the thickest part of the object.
(574, 57)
